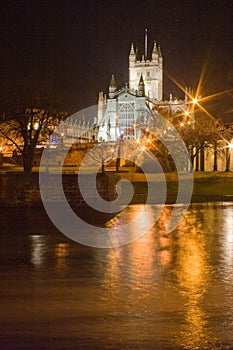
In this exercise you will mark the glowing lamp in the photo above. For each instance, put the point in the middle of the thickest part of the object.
(36, 126)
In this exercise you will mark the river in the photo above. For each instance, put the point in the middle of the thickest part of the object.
(164, 291)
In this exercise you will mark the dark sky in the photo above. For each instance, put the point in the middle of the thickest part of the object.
(75, 46)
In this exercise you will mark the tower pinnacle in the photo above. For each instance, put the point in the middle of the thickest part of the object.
(155, 52)
(132, 51)
(141, 87)
(132, 55)
(112, 86)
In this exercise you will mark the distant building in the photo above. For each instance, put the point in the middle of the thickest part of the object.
(76, 131)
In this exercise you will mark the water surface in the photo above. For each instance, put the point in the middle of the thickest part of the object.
(164, 291)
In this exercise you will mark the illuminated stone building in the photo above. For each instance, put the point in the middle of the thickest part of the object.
(128, 110)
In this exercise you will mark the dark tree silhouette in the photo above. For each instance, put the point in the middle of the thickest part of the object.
(28, 116)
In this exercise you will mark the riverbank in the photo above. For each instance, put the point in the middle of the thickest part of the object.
(207, 186)
(19, 189)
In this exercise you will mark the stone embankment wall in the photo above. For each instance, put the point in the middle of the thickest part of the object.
(22, 190)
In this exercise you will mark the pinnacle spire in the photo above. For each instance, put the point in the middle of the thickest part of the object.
(155, 50)
(141, 87)
(132, 51)
(112, 86)
(113, 81)
(159, 51)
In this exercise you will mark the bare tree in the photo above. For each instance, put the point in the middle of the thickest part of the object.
(102, 154)
(27, 129)
(29, 117)
(206, 134)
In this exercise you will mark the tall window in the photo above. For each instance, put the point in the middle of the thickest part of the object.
(127, 119)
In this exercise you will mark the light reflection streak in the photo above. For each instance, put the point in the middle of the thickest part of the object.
(228, 243)
(61, 253)
(193, 273)
(38, 249)
(135, 219)
(165, 257)
(164, 254)
(130, 270)
(138, 250)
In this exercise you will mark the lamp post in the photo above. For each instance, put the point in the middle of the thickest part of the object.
(228, 155)
(195, 101)
(1, 155)
(118, 156)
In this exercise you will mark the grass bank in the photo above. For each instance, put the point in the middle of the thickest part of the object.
(207, 186)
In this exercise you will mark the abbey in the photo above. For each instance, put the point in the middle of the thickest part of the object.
(128, 110)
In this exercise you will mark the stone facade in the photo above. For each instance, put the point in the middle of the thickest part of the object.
(123, 113)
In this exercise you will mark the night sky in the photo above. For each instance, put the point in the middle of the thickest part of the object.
(75, 46)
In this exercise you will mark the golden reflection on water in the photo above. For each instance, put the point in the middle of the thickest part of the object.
(164, 257)
(61, 253)
(163, 282)
(164, 254)
(38, 249)
(185, 252)
(140, 252)
(129, 271)
(193, 271)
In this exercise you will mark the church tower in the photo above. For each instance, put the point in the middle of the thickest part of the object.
(150, 70)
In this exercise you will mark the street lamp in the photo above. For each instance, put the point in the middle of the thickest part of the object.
(195, 101)
(36, 126)
(228, 155)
